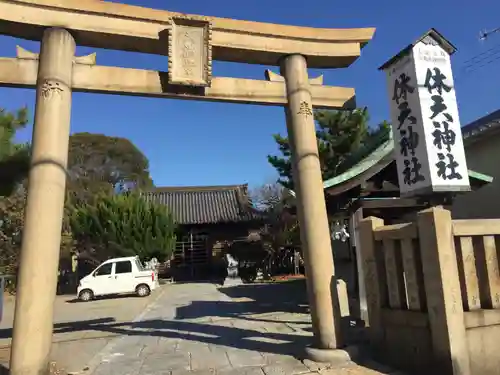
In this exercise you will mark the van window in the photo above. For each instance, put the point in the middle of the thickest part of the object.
(123, 267)
(104, 270)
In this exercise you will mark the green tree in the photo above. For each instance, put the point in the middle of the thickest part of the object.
(14, 157)
(102, 164)
(14, 166)
(11, 224)
(99, 165)
(123, 225)
(339, 133)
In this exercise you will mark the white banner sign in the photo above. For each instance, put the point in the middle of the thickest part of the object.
(429, 149)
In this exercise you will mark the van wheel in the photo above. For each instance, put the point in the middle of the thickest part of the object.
(142, 290)
(86, 295)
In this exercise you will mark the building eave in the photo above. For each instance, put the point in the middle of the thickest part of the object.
(482, 128)
(373, 164)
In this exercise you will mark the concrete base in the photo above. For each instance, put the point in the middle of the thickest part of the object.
(232, 281)
(332, 356)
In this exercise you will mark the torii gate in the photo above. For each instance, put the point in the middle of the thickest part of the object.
(190, 42)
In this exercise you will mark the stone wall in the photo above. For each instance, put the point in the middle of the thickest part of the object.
(433, 293)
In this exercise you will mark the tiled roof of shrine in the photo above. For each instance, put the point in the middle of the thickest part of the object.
(205, 204)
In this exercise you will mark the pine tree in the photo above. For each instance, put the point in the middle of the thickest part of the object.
(340, 134)
(14, 157)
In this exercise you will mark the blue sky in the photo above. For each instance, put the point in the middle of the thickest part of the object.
(200, 143)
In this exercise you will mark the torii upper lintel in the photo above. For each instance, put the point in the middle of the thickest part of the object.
(108, 25)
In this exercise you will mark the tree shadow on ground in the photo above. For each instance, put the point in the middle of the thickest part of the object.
(288, 297)
(228, 336)
(251, 299)
(211, 333)
(6, 333)
(248, 310)
(282, 293)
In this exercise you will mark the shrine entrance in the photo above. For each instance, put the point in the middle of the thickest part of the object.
(191, 43)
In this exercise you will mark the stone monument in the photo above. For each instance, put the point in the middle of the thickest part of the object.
(233, 278)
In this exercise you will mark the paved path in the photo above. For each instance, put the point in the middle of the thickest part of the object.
(197, 329)
(74, 330)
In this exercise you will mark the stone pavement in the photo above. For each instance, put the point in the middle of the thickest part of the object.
(74, 327)
(197, 329)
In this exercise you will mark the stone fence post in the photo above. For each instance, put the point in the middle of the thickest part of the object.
(442, 291)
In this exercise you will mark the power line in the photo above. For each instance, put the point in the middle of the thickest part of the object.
(484, 63)
(466, 72)
(482, 59)
(481, 55)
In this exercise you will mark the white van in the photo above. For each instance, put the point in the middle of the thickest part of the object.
(118, 276)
